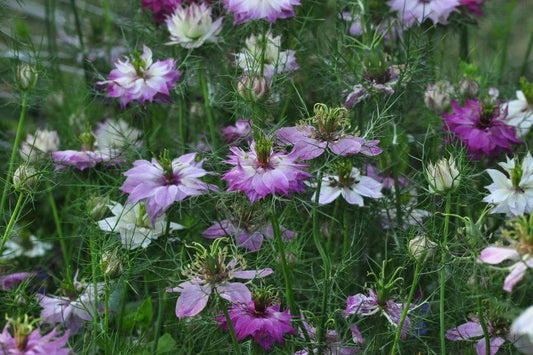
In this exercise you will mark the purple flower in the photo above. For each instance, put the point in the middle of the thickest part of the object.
(374, 83)
(7, 282)
(417, 11)
(162, 182)
(248, 235)
(386, 179)
(81, 160)
(473, 329)
(261, 171)
(363, 305)
(141, 79)
(265, 323)
(473, 6)
(481, 128)
(211, 273)
(241, 131)
(270, 10)
(161, 8)
(29, 341)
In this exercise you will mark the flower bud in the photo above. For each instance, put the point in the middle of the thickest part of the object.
(26, 77)
(97, 206)
(468, 88)
(421, 248)
(112, 264)
(443, 175)
(24, 178)
(438, 95)
(254, 88)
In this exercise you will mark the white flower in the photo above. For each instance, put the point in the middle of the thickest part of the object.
(520, 114)
(25, 245)
(111, 135)
(512, 194)
(42, 142)
(192, 26)
(443, 175)
(133, 224)
(523, 325)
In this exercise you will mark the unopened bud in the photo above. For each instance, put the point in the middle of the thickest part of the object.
(112, 264)
(420, 247)
(97, 206)
(443, 175)
(24, 178)
(438, 96)
(468, 88)
(26, 77)
(254, 88)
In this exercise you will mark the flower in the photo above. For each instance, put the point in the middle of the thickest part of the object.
(26, 77)
(261, 171)
(523, 325)
(332, 342)
(191, 26)
(261, 320)
(131, 221)
(115, 136)
(141, 79)
(241, 131)
(326, 130)
(88, 157)
(520, 111)
(266, 50)
(161, 8)
(8, 281)
(41, 144)
(211, 272)
(27, 245)
(421, 247)
(162, 182)
(270, 10)
(520, 250)
(443, 176)
(363, 305)
(473, 6)
(28, 341)
(437, 96)
(376, 80)
(513, 193)
(25, 178)
(253, 88)
(481, 128)
(350, 184)
(417, 11)
(473, 329)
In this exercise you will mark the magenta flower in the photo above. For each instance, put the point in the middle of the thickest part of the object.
(261, 171)
(417, 11)
(264, 322)
(141, 79)
(473, 329)
(481, 128)
(210, 273)
(270, 10)
(241, 131)
(473, 6)
(162, 182)
(248, 235)
(28, 341)
(363, 305)
(9, 281)
(161, 8)
(374, 83)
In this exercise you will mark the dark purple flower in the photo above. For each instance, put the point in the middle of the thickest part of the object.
(481, 128)
(473, 6)
(161, 8)
(7, 282)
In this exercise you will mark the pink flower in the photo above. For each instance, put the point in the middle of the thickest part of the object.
(417, 11)
(270, 10)
(481, 128)
(161, 8)
(141, 79)
(7, 282)
(81, 160)
(473, 329)
(473, 6)
(373, 84)
(265, 323)
(29, 341)
(261, 171)
(162, 182)
(241, 131)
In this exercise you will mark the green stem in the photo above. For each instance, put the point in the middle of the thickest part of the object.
(160, 310)
(507, 32)
(406, 308)
(7, 183)
(12, 220)
(207, 103)
(79, 32)
(484, 327)
(463, 43)
(526, 56)
(443, 273)
(236, 344)
(345, 231)
(57, 222)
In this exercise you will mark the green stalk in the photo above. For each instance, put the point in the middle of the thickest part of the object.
(236, 344)
(345, 231)
(483, 324)
(507, 32)
(160, 310)
(207, 103)
(79, 32)
(57, 222)
(463, 43)
(406, 308)
(7, 183)
(526, 56)
(443, 274)
(12, 220)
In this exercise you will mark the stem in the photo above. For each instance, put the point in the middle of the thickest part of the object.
(12, 220)
(406, 308)
(526, 56)
(506, 38)
(397, 190)
(236, 344)
(463, 43)
(7, 183)
(160, 310)
(443, 273)
(345, 231)
(80, 38)
(59, 230)
(483, 324)
(212, 132)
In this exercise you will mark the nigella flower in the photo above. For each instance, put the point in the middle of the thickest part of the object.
(41, 144)
(73, 309)
(88, 157)
(473, 6)
(332, 342)
(27, 245)
(520, 111)
(497, 331)
(417, 11)
(191, 26)
(481, 128)
(161, 8)
(262, 171)
(133, 224)
(378, 79)
(261, 319)
(350, 184)
(326, 130)
(364, 305)
(265, 50)
(512, 193)
(241, 131)
(523, 327)
(212, 273)
(24, 339)
(270, 10)
(163, 181)
(141, 79)
(9, 281)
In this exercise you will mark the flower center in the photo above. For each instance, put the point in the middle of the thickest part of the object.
(87, 141)
(330, 122)
(168, 169)
(263, 151)
(487, 115)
